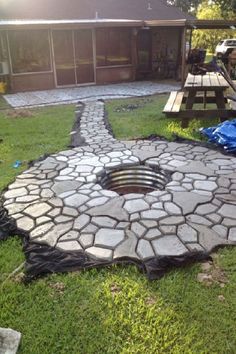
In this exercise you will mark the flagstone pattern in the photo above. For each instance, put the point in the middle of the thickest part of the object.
(87, 93)
(59, 202)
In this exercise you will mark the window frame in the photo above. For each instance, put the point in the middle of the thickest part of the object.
(50, 71)
(3, 46)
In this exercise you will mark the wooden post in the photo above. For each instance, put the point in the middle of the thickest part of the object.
(183, 53)
(190, 39)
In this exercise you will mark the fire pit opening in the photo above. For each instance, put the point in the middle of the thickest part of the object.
(135, 179)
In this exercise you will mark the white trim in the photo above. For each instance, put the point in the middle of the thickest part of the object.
(50, 50)
(68, 21)
(9, 53)
(32, 73)
(92, 83)
(115, 66)
(73, 47)
(53, 59)
(79, 85)
(2, 45)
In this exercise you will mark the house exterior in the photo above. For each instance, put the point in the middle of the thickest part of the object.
(47, 44)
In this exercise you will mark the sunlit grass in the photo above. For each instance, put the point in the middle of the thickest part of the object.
(148, 119)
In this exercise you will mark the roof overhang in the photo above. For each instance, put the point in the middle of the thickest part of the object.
(21, 24)
(166, 23)
(93, 23)
(211, 24)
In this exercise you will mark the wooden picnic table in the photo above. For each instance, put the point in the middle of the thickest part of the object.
(210, 82)
(200, 89)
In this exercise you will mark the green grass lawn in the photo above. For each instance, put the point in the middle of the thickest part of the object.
(111, 310)
(147, 118)
(27, 134)
(3, 103)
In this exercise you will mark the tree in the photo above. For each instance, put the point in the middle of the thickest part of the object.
(208, 39)
(186, 5)
(191, 6)
(226, 6)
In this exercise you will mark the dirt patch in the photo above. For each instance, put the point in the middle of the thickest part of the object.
(58, 287)
(115, 289)
(211, 273)
(20, 113)
(151, 301)
(131, 107)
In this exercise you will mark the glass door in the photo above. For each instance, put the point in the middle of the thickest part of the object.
(64, 57)
(83, 41)
(73, 56)
(144, 51)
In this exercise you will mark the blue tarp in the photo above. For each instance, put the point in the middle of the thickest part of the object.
(224, 134)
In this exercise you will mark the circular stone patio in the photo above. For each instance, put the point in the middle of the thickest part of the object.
(71, 222)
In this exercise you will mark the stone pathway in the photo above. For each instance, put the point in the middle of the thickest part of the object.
(72, 95)
(59, 202)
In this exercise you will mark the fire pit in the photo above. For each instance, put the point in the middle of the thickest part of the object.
(71, 222)
(134, 179)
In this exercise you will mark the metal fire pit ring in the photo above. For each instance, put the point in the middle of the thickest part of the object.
(135, 179)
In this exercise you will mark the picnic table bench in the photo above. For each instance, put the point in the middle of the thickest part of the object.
(200, 89)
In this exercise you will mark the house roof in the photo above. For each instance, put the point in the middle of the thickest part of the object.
(142, 10)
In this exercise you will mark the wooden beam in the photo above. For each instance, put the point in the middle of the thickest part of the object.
(211, 24)
(190, 39)
(170, 102)
(200, 99)
(183, 56)
(165, 23)
(202, 113)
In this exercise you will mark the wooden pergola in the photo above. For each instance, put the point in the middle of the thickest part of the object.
(196, 24)
(196, 85)
(190, 25)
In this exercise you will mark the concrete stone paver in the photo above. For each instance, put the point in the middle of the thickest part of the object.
(61, 202)
(108, 237)
(169, 246)
(9, 341)
(72, 95)
(144, 249)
